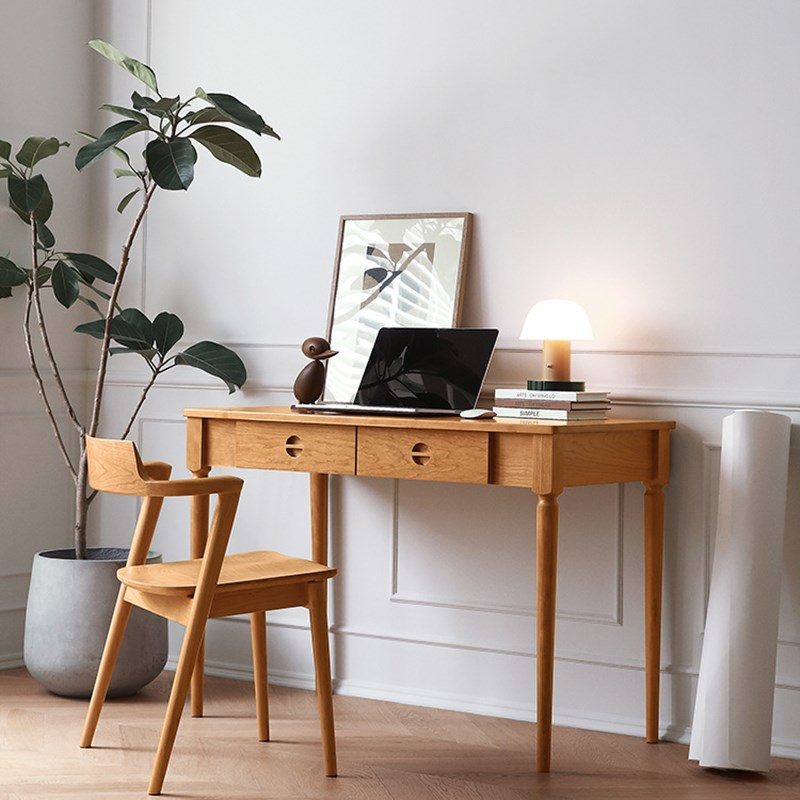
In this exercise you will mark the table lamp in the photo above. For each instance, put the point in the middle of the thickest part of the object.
(556, 323)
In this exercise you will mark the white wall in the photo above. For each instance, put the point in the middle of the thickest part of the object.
(640, 158)
(45, 91)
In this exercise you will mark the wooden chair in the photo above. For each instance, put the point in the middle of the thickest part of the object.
(190, 592)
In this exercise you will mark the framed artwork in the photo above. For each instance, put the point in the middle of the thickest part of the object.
(395, 270)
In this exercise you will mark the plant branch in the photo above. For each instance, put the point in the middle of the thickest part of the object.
(37, 302)
(40, 383)
(112, 304)
(156, 373)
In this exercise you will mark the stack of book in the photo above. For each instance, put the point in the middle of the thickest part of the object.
(538, 404)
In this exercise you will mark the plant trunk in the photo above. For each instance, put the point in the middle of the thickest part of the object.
(81, 504)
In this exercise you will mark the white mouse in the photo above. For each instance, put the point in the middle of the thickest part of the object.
(477, 413)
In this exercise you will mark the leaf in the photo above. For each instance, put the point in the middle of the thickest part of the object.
(167, 331)
(110, 137)
(231, 148)
(216, 360)
(141, 102)
(125, 200)
(124, 173)
(65, 284)
(171, 163)
(130, 328)
(205, 115)
(26, 193)
(5, 172)
(11, 274)
(91, 303)
(43, 210)
(136, 68)
(42, 276)
(163, 106)
(5, 149)
(130, 113)
(237, 112)
(35, 148)
(92, 265)
(45, 235)
(4, 292)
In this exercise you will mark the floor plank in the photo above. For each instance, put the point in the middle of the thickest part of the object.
(387, 751)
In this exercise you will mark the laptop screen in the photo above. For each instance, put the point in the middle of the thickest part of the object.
(427, 367)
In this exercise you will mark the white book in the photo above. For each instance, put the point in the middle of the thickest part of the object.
(538, 394)
(547, 413)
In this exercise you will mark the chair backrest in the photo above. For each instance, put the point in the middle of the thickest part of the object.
(115, 466)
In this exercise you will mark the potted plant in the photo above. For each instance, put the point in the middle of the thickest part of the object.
(172, 126)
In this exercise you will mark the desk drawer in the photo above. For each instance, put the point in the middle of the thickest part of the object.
(304, 448)
(424, 455)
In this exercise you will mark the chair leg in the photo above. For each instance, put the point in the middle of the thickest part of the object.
(317, 608)
(116, 632)
(195, 634)
(258, 637)
(197, 684)
(192, 641)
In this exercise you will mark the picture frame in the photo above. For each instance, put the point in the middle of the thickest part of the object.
(391, 270)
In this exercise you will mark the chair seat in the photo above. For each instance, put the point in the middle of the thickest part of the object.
(240, 572)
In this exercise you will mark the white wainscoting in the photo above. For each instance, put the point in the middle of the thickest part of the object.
(434, 604)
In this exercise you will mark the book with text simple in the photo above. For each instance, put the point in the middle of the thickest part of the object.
(547, 413)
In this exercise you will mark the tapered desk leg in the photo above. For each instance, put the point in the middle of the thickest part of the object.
(546, 570)
(653, 561)
(199, 534)
(319, 517)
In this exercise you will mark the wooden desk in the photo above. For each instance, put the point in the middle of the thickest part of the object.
(545, 457)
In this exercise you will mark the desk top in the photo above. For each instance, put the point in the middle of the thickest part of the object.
(493, 425)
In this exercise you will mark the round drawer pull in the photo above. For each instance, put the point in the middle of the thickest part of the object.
(420, 454)
(294, 447)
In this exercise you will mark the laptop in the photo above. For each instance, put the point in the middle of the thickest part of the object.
(420, 371)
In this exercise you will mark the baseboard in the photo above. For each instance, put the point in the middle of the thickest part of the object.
(391, 694)
(11, 661)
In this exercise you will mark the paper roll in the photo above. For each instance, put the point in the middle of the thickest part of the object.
(732, 727)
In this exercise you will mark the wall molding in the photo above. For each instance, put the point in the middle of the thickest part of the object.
(612, 617)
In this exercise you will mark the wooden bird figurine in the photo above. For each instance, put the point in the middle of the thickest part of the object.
(310, 381)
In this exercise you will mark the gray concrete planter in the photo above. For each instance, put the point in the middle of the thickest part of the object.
(70, 603)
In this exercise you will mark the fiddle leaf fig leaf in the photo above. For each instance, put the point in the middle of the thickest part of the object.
(216, 360)
(35, 148)
(237, 112)
(130, 113)
(11, 274)
(231, 148)
(163, 106)
(5, 150)
(44, 207)
(136, 68)
(167, 331)
(65, 284)
(26, 193)
(130, 328)
(205, 115)
(92, 266)
(45, 236)
(108, 140)
(171, 163)
(125, 200)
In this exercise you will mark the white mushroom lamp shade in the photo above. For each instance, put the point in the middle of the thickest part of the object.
(556, 323)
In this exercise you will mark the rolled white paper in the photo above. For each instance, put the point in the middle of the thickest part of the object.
(732, 727)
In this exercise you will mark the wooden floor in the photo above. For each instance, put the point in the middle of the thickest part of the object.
(387, 751)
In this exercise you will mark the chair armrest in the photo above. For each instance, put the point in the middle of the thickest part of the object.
(190, 487)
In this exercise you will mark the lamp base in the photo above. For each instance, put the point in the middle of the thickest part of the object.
(557, 386)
